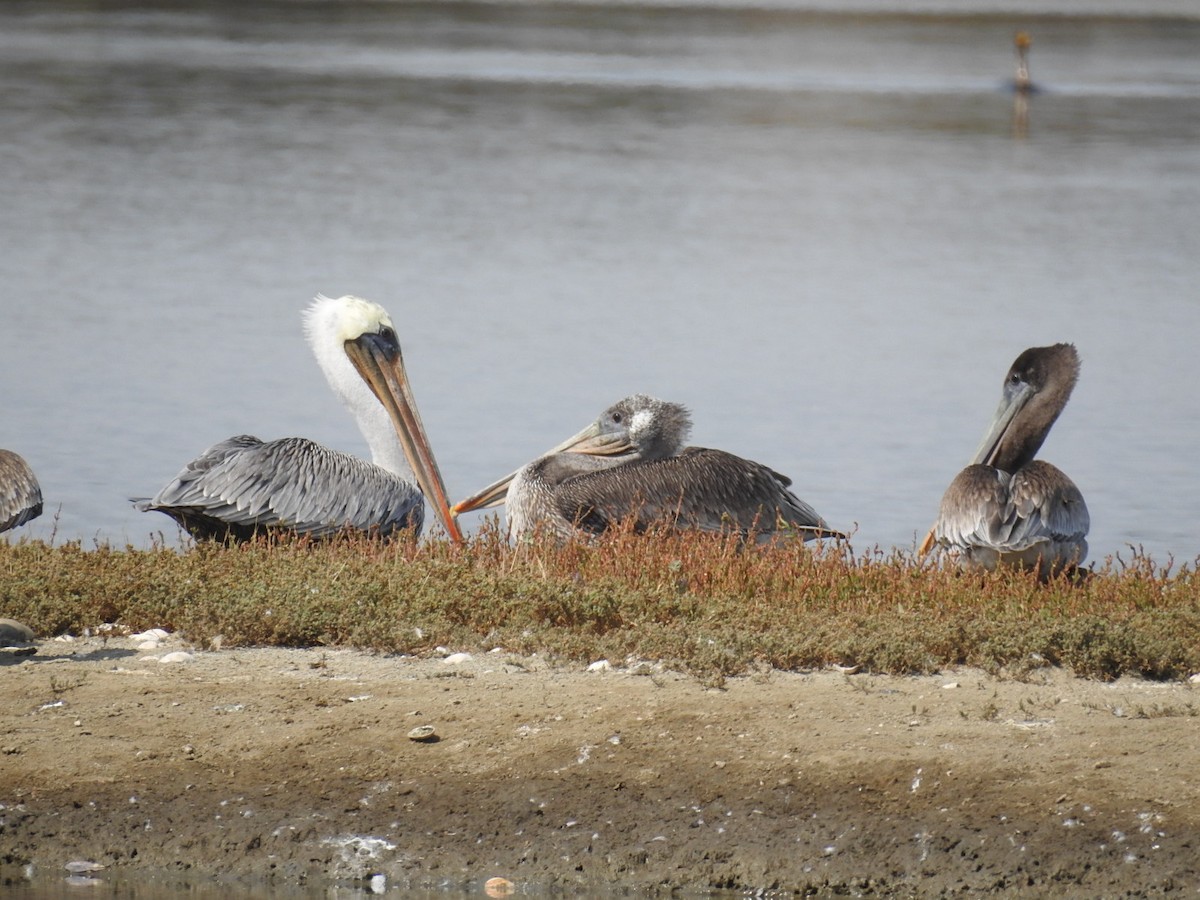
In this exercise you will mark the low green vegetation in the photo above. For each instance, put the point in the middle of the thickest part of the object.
(704, 604)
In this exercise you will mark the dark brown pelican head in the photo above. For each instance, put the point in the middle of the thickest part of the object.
(1036, 388)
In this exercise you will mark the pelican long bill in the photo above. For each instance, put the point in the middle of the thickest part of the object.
(591, 441)
(381, 365)
(985, 453)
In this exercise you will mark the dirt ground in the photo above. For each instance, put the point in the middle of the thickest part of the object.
(296, 765)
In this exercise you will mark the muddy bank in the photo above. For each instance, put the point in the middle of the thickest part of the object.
(296, 765)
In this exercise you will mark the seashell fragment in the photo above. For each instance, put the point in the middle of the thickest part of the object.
(152, 634)
(423, 734)
(79, 866)
(499, 887)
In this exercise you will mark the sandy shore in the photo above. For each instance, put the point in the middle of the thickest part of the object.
(296, 765)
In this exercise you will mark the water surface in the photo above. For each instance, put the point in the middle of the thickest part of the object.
(813, 225)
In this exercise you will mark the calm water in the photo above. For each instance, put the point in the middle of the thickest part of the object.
(813, 227)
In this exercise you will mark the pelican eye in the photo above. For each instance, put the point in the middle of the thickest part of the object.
(388, 334)
(616, 417)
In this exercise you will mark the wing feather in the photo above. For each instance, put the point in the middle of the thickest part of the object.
(20, 493)
(243, 484)
(988, 514)
(701, 489)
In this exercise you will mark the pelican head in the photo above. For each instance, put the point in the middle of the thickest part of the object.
(639, 427)
(652, 428)
(355, 343)
(1036, 389)
(636, 428)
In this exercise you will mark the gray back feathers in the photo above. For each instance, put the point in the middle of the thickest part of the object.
(243, 485)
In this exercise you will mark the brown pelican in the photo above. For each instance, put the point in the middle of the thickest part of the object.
(1022, 84)
(20, 493)
(631, 462)
(1022, 87)
(1007, 507)
(243, 485)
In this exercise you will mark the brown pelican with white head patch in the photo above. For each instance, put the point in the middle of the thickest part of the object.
(1022, 87)
(20, 493)
(631, 463)
(243, 486)
(1007, 507)
(1022, 83)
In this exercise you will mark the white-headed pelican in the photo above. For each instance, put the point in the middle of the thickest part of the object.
(243, 485)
